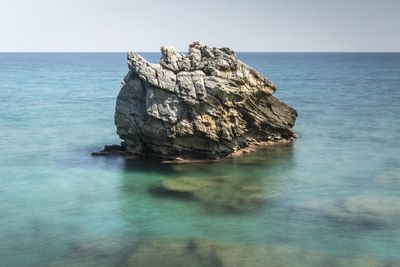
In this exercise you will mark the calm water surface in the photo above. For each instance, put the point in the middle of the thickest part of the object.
(336, 191)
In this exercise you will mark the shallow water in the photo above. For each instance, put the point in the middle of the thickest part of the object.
(56, 200)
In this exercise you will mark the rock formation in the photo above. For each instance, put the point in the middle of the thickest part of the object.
(203, 105)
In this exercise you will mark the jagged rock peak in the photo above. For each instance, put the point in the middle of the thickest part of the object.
(206, 104)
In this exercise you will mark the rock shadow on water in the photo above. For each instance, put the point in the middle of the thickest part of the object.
(278, 157)
(148, 165)
(264, 159)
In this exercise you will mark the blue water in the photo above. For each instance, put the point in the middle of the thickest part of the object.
(56, 108)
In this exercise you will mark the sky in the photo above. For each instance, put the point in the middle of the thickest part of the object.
(243, 25)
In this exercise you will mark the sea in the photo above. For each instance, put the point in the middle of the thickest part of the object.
(334, 193)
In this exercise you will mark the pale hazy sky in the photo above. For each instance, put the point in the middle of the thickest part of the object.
(244, 25)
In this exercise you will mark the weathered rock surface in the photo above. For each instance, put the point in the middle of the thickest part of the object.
(203, 105)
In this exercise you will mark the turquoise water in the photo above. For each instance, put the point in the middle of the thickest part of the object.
(55, 109)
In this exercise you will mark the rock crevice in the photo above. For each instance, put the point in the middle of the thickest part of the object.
(203, 105)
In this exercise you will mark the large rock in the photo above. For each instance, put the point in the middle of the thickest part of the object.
(203, 105)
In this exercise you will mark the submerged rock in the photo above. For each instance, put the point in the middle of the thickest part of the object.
(227, 193)
(206, 253)
(203, 105)
(364, 210)
(94, 253)
(390, 177)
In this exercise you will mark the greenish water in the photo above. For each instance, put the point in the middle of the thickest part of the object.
(335, 191)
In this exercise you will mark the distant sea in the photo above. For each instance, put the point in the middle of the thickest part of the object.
(336, 189)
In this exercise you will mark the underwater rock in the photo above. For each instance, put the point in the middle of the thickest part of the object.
(203, 105)
(360, 209)
(227, 193)
(390, 177)
(204, 253)
(94, 253)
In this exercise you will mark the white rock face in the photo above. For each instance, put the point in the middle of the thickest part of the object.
(207, 104)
